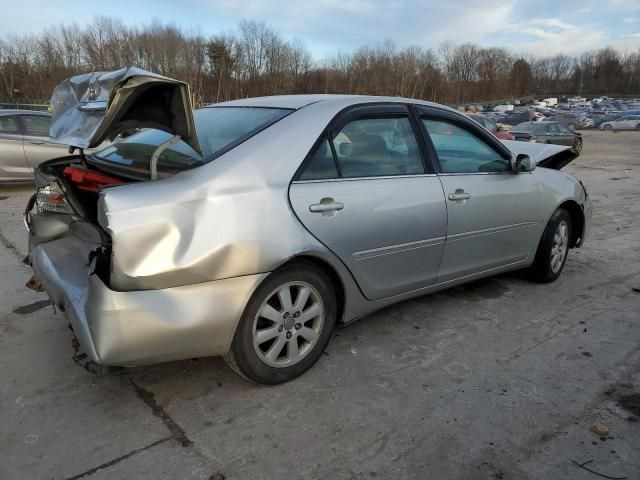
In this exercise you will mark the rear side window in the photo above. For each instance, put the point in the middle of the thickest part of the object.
(321, 164)
(460, 151)
(374, 147)
(367, 147)
(37, 125)
(552, 128)
(8, 125)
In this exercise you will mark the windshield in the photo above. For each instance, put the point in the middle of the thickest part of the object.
(219, 129)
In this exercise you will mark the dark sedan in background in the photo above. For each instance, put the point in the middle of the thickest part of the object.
(547, 132)
(492, 126)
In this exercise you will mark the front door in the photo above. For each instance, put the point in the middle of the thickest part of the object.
(492, 211)
(365, 194)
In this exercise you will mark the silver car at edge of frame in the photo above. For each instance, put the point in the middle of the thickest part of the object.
(280, 217)
(24, 143)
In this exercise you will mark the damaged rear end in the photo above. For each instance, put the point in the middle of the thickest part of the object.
(71, 243)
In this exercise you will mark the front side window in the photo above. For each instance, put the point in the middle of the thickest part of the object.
(8, 125)
(460, 151)
(552, 128)
(563, 129)
(37, 125)
(218, 129)
(373, 147)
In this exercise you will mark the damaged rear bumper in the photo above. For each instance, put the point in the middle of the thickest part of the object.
(140, 327)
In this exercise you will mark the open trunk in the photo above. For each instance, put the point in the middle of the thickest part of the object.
(86, 110)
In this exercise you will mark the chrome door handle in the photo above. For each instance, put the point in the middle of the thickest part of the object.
(459, 195)
(327, 206)
(36, 142)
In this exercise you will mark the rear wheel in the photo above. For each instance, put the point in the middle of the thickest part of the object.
(286, 325)
(553, 248)
(608, 127)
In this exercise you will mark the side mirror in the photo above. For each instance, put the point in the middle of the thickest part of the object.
(500, 128)
(523, 163)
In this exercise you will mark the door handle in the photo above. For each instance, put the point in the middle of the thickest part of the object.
(459, 195)
(327, 206)
(36, 142)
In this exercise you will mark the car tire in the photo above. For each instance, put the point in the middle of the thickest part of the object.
(577, 146)
(262, 350)
(553, 248)
(608, 127)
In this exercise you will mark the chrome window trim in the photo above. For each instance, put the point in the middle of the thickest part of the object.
(455, 174)
(351, 179)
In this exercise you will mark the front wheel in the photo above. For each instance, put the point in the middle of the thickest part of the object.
(553, 248)
(286, 325)
(577, 146)
(608, 127)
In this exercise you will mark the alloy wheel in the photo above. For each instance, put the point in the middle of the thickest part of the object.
(560, 246)
(288, 324)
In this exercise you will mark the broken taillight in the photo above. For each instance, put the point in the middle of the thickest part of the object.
(51, 199)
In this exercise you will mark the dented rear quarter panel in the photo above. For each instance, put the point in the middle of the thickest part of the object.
(228, 218)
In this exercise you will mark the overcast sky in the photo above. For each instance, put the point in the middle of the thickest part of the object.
(328, 26)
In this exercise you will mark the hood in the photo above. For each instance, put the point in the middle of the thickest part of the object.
(88, 109)
(545, 155)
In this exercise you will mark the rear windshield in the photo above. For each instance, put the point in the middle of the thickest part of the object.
(219, 129)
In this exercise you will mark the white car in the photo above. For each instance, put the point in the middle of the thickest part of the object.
(628, 122)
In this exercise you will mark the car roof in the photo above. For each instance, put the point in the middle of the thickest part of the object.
(299, 101)
(9, 111)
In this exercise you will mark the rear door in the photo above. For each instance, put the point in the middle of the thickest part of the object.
(37, 146)
(13, 164)
(492, 211)
(365, 192)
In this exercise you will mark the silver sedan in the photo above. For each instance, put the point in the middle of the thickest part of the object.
(281, 217)
(24, 143)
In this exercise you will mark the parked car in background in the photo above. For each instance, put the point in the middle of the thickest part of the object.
(492, 126)
(24, 143)
(518, 116)
(577, 100)
(627, 122)
(276, 218)
(547, 132)
(574, 120)
(503, 108)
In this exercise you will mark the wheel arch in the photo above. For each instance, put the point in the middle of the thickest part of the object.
(329, 271)
(577, 221)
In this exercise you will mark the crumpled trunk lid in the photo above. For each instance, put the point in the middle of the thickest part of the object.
(545, 155)
(90, 108)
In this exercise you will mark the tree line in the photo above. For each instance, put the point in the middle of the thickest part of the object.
(256, 60)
